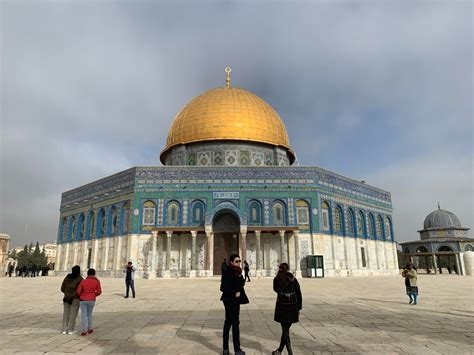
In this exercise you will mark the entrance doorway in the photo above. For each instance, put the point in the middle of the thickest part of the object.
(224, 245)
(226, 229)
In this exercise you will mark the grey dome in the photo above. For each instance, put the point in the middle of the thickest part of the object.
(441, 219)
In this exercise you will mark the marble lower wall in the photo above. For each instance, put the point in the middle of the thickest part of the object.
(343, 256)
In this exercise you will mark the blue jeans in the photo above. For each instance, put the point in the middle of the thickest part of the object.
(86, 314)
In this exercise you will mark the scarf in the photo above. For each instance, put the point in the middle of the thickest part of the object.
(237, 269)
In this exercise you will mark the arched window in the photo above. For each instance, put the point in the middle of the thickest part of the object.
(421, 249)
(198, 212)
(445, 248)
(90, 224)
(325, 223)
(361, 229)
(115, 221)
(173, 213)
(388, 228)
(255, 213)
(350, 222)
(378, 227)
(101, 222)
(278, 214)
(125, 217)
(149, 212)
(302, 214)
(73, 229)
(81, 227)
(468, 247)
(371, 225)
(338, 220)
(64, 230)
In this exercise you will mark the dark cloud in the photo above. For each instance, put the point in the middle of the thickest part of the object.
(374, 91)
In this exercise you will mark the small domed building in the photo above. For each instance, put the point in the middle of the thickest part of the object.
(228, 184)
(443, 242)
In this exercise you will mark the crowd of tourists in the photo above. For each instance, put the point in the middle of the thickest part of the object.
(26, 271)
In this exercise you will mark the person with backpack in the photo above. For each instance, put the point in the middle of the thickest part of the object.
(71, 300)
(288, 305)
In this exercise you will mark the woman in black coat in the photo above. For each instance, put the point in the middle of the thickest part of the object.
(233, 295)
(288, 305)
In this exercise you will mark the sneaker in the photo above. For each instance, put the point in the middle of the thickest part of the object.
(90, 331)
(276, 352)
(225, 352)
(71, 332)
(241, 352)
(411, 301)
(64, 332)
(126, 297)
(414, 303)
(83, 334)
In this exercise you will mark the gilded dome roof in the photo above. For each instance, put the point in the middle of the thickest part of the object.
(228, 113)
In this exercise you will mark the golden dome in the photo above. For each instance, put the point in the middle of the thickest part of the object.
(227, 113)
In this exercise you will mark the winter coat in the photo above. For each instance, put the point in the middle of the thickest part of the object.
(89, 289)
(231, 284)
(69, 287)
(288, 313)
(412, 277)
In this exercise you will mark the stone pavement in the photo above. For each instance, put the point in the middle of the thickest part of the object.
(184, 316)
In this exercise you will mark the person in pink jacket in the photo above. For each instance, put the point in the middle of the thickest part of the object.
(87, 291)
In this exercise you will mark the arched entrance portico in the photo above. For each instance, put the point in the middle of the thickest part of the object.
(226, 229)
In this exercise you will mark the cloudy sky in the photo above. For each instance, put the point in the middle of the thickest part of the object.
(378, 90)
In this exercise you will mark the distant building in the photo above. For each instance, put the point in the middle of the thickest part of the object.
(50, 250)
(442, 245)
(4, 248)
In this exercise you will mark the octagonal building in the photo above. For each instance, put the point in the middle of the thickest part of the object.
(227, 184)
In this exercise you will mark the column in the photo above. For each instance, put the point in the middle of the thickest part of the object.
(435, 264)
(209, 253)
(458, 269)
(74, 257)
(167, 273)
(95, 251)
(66, 259)
(283, 256)
(154, 255)
(105, 254)
(258, 253)
(118, 256)
(85, 253)
(243, 245)
(192, 272)
(57, 263)
(297, 254)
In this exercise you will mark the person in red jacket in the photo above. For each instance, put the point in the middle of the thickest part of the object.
(87, 291)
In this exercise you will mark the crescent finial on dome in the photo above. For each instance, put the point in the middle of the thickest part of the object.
(227, 79)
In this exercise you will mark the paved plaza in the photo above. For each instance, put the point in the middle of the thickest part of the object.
(185, 316)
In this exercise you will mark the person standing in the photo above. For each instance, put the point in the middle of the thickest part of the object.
(233, 295)
(71, 300)
(411, 283)
(10, 270)
(88, 290)
(129, 271)
(288, 305)
(246, 271)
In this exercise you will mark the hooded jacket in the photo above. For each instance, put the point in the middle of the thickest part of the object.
(69, 285)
